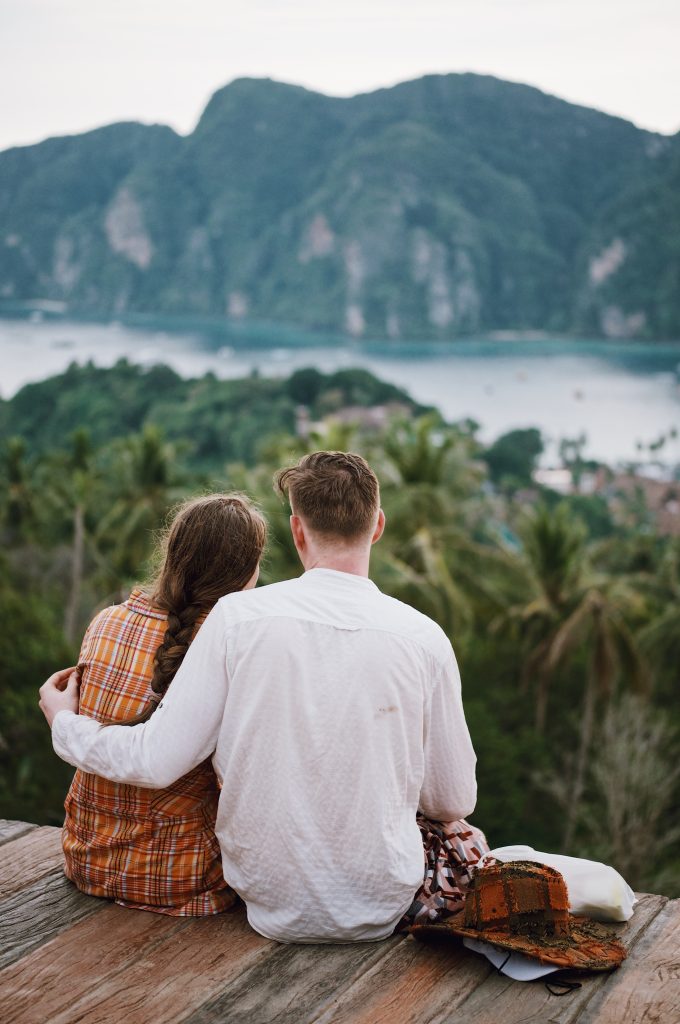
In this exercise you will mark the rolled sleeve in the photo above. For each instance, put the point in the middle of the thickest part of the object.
(449, 790)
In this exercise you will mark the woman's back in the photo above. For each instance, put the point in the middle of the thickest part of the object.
(151, 849)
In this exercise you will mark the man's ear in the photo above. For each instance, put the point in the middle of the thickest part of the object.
(379, 527)
(298, 531)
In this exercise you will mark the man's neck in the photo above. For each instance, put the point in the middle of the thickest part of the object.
(354, 562)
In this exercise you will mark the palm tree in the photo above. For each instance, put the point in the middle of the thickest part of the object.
(82, 481)
(574, 612)
(599, 624)
(417, 572)
(19, 511)
(148, 484)
(428, 451)
(418, 449)
(434, 555)
(660, 638)
(553, 553)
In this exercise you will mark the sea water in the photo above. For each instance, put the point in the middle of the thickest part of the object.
(622, 396)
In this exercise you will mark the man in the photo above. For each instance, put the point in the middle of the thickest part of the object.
(333, 714)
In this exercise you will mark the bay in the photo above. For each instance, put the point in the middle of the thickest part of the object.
(621, 395)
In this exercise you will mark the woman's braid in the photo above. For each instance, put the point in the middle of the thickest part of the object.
(212, 547)
(182, 624)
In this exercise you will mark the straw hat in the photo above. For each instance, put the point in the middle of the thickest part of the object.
(523, 907)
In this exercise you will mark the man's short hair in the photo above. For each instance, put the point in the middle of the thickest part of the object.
(336, 493)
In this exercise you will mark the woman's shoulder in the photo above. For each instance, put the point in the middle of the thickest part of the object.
(140, 602)
(138, 605)
(117, 658)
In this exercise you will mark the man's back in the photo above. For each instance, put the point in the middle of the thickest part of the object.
(332, 714)
(342, 716)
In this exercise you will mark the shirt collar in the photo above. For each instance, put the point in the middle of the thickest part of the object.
(139, 602)
(335, 575)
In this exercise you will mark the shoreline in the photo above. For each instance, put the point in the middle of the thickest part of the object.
(620, 394)
(250, 332)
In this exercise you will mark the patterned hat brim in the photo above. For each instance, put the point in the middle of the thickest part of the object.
(586, 949)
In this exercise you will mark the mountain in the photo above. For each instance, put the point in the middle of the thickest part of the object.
(449, 205)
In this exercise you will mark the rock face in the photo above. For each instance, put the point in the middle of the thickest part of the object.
(125, 230)
(446, 206)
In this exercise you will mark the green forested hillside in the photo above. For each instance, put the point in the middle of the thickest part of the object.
(640, 228)
(214, 421)
(564, 612)
(448, 205)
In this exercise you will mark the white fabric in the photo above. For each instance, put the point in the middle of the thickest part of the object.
(515, 965)
(595, 890)
(333, 713)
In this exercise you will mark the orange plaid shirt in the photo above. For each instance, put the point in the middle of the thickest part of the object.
(146, 848)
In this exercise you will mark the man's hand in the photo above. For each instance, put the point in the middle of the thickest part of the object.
(60, 693)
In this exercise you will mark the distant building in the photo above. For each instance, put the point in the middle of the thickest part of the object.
(660, 497)
(560, 480)
(370, 418)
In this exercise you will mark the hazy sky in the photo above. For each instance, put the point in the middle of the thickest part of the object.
(70, 65)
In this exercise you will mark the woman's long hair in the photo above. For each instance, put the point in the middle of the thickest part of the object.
(211, 547)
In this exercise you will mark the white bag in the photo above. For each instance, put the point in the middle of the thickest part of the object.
(595, 890)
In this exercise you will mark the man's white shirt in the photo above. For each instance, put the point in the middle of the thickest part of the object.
(332, 713)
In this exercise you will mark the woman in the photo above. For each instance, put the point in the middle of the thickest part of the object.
(156, 849)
